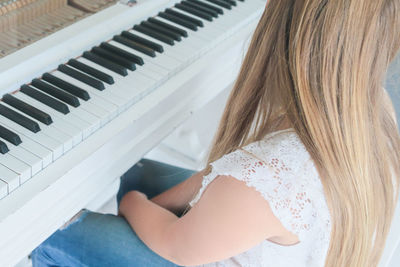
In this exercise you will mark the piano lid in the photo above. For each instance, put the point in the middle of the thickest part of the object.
(23, 22)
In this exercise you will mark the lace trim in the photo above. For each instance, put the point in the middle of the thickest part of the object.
(280, 168)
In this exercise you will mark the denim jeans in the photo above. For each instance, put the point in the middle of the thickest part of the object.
(97, 240)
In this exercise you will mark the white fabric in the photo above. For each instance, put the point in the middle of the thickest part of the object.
(281, 169)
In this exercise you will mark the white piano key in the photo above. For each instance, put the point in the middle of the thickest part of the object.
(49, 130)
(58, 123)
(190, 41)
(108, 107)
(180, 50)
(247, 12)
(238, 12)
(35, 148)
(234, 16)
(250, 6)
(201, 36)
(83, 112)
(25, 156)
(165, 58)
(197, 37)
(3, 189)
(69, 118)
(223, 22)
(96, 111)
(166, 62)
(93, 121)
(180, 47)
(10, 181)
(180, 57)
(150, 66)
(211, 28)
(187, 45)
(87, 126)
(58, 135)
(106, 95)
(219, 29)
(17, 166)
(118, 81)
(152, 71)
(53, 145)
(140, 81)
(148, 60)
(124, 86)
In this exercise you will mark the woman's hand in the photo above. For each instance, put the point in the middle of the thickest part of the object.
(129, 199)
(148, 220)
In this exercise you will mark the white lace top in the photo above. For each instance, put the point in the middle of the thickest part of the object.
(281, 169)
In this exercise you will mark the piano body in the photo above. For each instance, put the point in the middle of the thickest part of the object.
(75, 160)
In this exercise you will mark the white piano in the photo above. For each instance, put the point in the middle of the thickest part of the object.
(133, 89)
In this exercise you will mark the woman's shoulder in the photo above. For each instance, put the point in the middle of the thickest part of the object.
(280, 145)
(281, 169)
(282, 152)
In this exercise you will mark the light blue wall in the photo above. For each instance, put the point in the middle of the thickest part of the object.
(393, 84)
(393, 87)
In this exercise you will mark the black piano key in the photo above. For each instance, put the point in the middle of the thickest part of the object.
(45, 99)
(194, 11)
(158, 28)
(122, 53)
(143, 41)
(168, 26)
(27, 109)
(81, 77)
(209, 11)
(66, 86)
(135, 45)
(10, 136)
(106, 63)
(19, 119)
(230, 2)
(216, 9)
(150, 32)
(57, 93)
(184, 17)
(178, 20)
(91, 71)
(220, 3)
(3, 148)
(114, 58)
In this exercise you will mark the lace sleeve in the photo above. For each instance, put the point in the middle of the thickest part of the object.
(282, 177)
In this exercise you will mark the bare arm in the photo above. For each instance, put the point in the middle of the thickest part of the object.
(228, 219)
(177, 198)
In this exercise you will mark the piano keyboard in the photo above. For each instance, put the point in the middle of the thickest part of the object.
(45, 119)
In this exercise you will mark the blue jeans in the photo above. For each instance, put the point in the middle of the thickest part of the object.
(97, 240)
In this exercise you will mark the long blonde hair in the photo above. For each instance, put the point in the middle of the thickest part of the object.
(322, 64)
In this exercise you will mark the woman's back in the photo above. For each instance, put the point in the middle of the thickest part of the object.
(281, 169)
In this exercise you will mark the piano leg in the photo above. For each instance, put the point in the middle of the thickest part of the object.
(95, 239)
